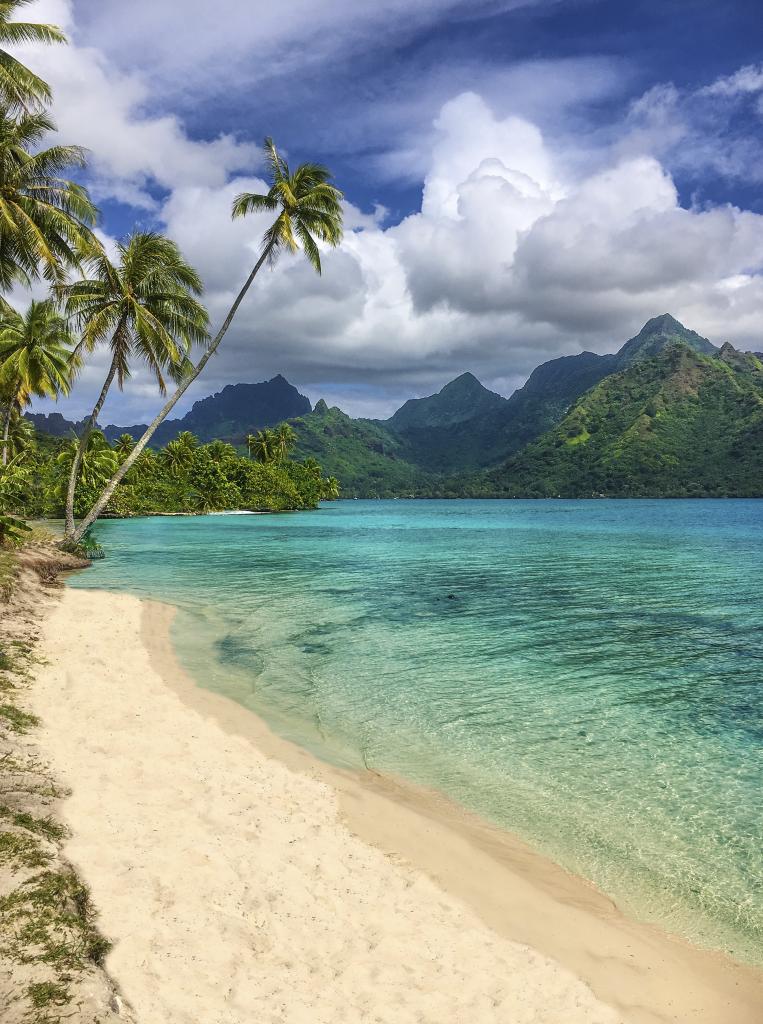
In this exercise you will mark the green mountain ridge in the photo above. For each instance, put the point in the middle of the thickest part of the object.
(575, 428)
(461, 400)
(678, 424)
(422, 449)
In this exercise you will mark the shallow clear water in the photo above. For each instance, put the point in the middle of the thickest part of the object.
(586, 674)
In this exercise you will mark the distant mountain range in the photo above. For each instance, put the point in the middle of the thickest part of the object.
(235, 411)
(669, 413)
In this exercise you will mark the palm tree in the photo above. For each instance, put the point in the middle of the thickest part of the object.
(189, 440)
(45, 219)
(124, 444)
(97, 462)
(178, 457)
(331, 488)
(13, 484)
(312, 464)
(262, 446)
(285, 439)
(309, 208)
(35, 359)
(20, 88)
(145, 307)
(20, 435)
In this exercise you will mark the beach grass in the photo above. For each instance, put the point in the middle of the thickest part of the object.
(49, 940)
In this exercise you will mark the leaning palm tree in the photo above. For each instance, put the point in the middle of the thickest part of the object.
(144, 306)
(45, 219)
(36, 359)
(309, 210)
(21, 88)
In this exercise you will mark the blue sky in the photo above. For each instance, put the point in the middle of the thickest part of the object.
(526, 179)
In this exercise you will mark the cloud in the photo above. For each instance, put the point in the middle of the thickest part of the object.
(711, 130)
(508, 262)
(132, 152)
(212, 45)
(527, 243)
(745, 81)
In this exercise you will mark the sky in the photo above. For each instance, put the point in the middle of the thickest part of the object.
(523, 179)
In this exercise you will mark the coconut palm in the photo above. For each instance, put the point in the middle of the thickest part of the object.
(178, 457)
(95, 464)
(331, 488)
(145, 307)
(185, 437)
(14, 479)
(20, 434)
(285, 440)
(124, 444)
(45, 219)
(21, 88)
(262, 446)
(36, 359)
(309, 210)
(312, 464)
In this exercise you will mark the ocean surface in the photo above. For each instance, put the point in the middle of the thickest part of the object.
(587, 674)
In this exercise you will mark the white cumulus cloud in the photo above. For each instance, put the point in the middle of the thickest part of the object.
(518, 252)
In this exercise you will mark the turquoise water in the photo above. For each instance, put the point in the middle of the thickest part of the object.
(586, 674)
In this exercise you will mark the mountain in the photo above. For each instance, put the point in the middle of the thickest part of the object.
(446, 432)
(368, 459)
(554, 386)
(656, 335)
(231, 414)
(679, 423)
(580, 425)
(461, 400)
(239, 409)
(54, 424)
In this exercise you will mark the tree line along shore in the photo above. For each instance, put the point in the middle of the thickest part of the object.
(139, 300)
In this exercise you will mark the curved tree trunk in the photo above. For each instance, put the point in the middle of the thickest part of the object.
(112, 485)
(87, 431)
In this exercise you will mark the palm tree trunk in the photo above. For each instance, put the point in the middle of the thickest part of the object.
(7, 430)
(112, 485)
(8, 416)
(87, 431)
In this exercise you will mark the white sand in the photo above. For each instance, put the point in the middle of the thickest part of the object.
(235, 893)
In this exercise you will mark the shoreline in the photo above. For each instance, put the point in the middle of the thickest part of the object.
(515, 894)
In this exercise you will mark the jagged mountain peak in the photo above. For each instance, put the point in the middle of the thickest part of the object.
(655, 335)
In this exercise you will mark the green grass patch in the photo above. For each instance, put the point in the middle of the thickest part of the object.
(17, 720)
(50, 919)
(19, 850)
(46, 827)
(44, 994)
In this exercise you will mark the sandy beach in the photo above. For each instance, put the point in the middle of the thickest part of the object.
(241, 880)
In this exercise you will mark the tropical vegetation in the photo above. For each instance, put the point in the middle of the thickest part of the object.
(143, 303)
(183, 477)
